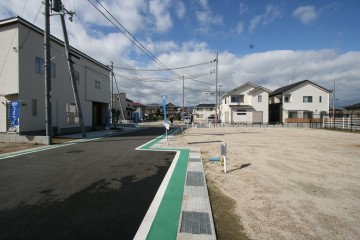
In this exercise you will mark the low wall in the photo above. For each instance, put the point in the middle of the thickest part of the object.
(15, 138)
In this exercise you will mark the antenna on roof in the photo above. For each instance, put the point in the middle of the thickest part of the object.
(292, 79)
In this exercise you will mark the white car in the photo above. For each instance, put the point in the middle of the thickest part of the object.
(187, 119)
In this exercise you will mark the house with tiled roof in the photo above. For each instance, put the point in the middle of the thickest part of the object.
(202, 112)
(298, 102)
(248, 103)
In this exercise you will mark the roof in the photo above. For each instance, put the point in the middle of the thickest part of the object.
(288, 87)
(260, 87)
(136, 104)
(356, 105)
(204, 105)
(248, 83)
(17, 19)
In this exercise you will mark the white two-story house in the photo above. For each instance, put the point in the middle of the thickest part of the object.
(297, 102)
(22, 81)
(202, 112)
(247, 103)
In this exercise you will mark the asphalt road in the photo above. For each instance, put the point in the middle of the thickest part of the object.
(93, 190)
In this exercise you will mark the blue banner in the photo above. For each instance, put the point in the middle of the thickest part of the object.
(166, 123)
(136, 118)
(164, 106)
(14, 116)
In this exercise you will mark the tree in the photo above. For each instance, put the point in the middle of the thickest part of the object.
(157, 112)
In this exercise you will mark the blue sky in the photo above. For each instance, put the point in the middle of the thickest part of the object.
(269, 43)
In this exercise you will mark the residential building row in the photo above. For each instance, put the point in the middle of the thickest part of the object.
(250, 103)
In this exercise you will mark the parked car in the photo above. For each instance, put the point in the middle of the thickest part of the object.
(187, 119)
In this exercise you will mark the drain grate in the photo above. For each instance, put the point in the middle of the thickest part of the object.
(195, 222)
(195, 179)
(194, 160)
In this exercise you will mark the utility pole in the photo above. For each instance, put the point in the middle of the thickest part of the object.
(216, 90)
(47, 73)
(183, 108)
(71, 70)
(112, 93)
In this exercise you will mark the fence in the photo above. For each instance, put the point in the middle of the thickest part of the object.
(348, 122)
(342, 123)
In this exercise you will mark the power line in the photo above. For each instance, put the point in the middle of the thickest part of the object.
(154, 70)
(132, 39)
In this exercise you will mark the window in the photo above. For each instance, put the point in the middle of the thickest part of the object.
(40, 69)
(259, 98)
(34, 107)
(241, 112)
(237, 98)
(320, 99)
(97, 84)
(293, 115)
(225, 100)
(287, 98)
(308, 114)
(307, 99)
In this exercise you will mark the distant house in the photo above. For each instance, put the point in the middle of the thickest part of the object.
(202, 112)
(247, 103)
(171, 109)
(122, 106)
(150, 109)
(139, 108)
(353, 109)
(301, 101)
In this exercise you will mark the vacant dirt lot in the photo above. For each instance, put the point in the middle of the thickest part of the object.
(286, 183)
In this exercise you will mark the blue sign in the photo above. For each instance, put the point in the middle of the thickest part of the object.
(166, 123)
(136, 118)
(14, 116)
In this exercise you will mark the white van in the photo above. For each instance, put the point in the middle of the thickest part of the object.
(187, 119)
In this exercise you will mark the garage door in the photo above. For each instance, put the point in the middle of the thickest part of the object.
(257, 117)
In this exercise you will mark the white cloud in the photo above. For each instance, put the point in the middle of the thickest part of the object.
(271, 14)
(239, 28)
(180, 10)
(305, 14)
(159, 9)
(243, 9)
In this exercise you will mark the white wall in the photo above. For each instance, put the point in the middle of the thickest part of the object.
(250, 98)
(262, 106)
(296, 102)
(31, 84)
(9, 69)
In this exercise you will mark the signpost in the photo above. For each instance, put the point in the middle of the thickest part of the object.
(166, 123)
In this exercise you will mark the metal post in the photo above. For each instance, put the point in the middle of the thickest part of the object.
(183, 98)
(112, 94)
(73, 80)
(47, 74)
(216, 90)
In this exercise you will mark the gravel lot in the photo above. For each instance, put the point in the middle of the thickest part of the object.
(286, 183)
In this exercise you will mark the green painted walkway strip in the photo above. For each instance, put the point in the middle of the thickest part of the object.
(165, 224)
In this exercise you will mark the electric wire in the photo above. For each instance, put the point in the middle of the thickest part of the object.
(154, 70)
(132, 39)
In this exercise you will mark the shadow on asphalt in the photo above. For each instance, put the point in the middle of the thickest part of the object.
(98, 212)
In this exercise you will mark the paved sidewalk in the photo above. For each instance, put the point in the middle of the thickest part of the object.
(194, 216)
